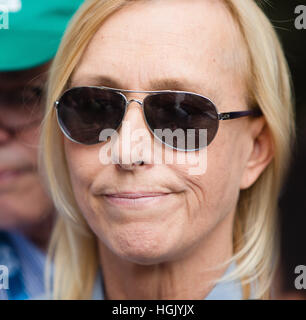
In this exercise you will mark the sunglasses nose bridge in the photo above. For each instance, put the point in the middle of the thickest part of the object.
(134, 100)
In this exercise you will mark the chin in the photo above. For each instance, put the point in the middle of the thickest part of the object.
(145, 248)
(144, 258)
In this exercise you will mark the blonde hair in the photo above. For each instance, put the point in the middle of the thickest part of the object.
(73, 247)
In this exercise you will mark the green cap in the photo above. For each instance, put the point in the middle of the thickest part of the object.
(31, 31)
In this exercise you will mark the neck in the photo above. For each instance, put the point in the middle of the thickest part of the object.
(188, 277)
(40, 232)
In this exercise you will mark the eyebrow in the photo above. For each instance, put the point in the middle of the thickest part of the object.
(154, 85)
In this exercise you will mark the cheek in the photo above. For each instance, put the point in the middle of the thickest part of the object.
(226, 162)
(83, 162)
(83, 166)
(214, 194)
(208, 199)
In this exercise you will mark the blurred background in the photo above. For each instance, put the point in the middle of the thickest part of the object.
(293, 198)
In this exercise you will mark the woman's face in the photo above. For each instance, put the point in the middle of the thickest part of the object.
(195, 42)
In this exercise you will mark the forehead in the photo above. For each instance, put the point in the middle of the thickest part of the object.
(190, 40)
(14, 80)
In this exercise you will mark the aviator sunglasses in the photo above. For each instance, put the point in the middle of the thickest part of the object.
(83, 112)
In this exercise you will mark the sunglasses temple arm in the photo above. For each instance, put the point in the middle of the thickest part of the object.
(239, 114)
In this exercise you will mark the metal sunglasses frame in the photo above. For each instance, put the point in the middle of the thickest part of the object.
(221, 116)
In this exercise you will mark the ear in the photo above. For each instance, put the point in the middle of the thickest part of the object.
(260, 155)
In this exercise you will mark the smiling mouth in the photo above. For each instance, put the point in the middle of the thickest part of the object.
(137, 195)
(136, 200)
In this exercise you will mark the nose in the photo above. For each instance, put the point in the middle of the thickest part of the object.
(134, 137)
(5, 136)
(130, 166)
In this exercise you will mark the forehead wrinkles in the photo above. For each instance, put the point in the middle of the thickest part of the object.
(155, 24)
(211, 38)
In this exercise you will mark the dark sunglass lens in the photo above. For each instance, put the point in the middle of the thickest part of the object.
(83, 112)
(185, 114)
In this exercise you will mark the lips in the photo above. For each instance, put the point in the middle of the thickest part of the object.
(136, 195)
(137, 200)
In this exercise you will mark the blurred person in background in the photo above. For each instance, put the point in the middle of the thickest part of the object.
(28, 46)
